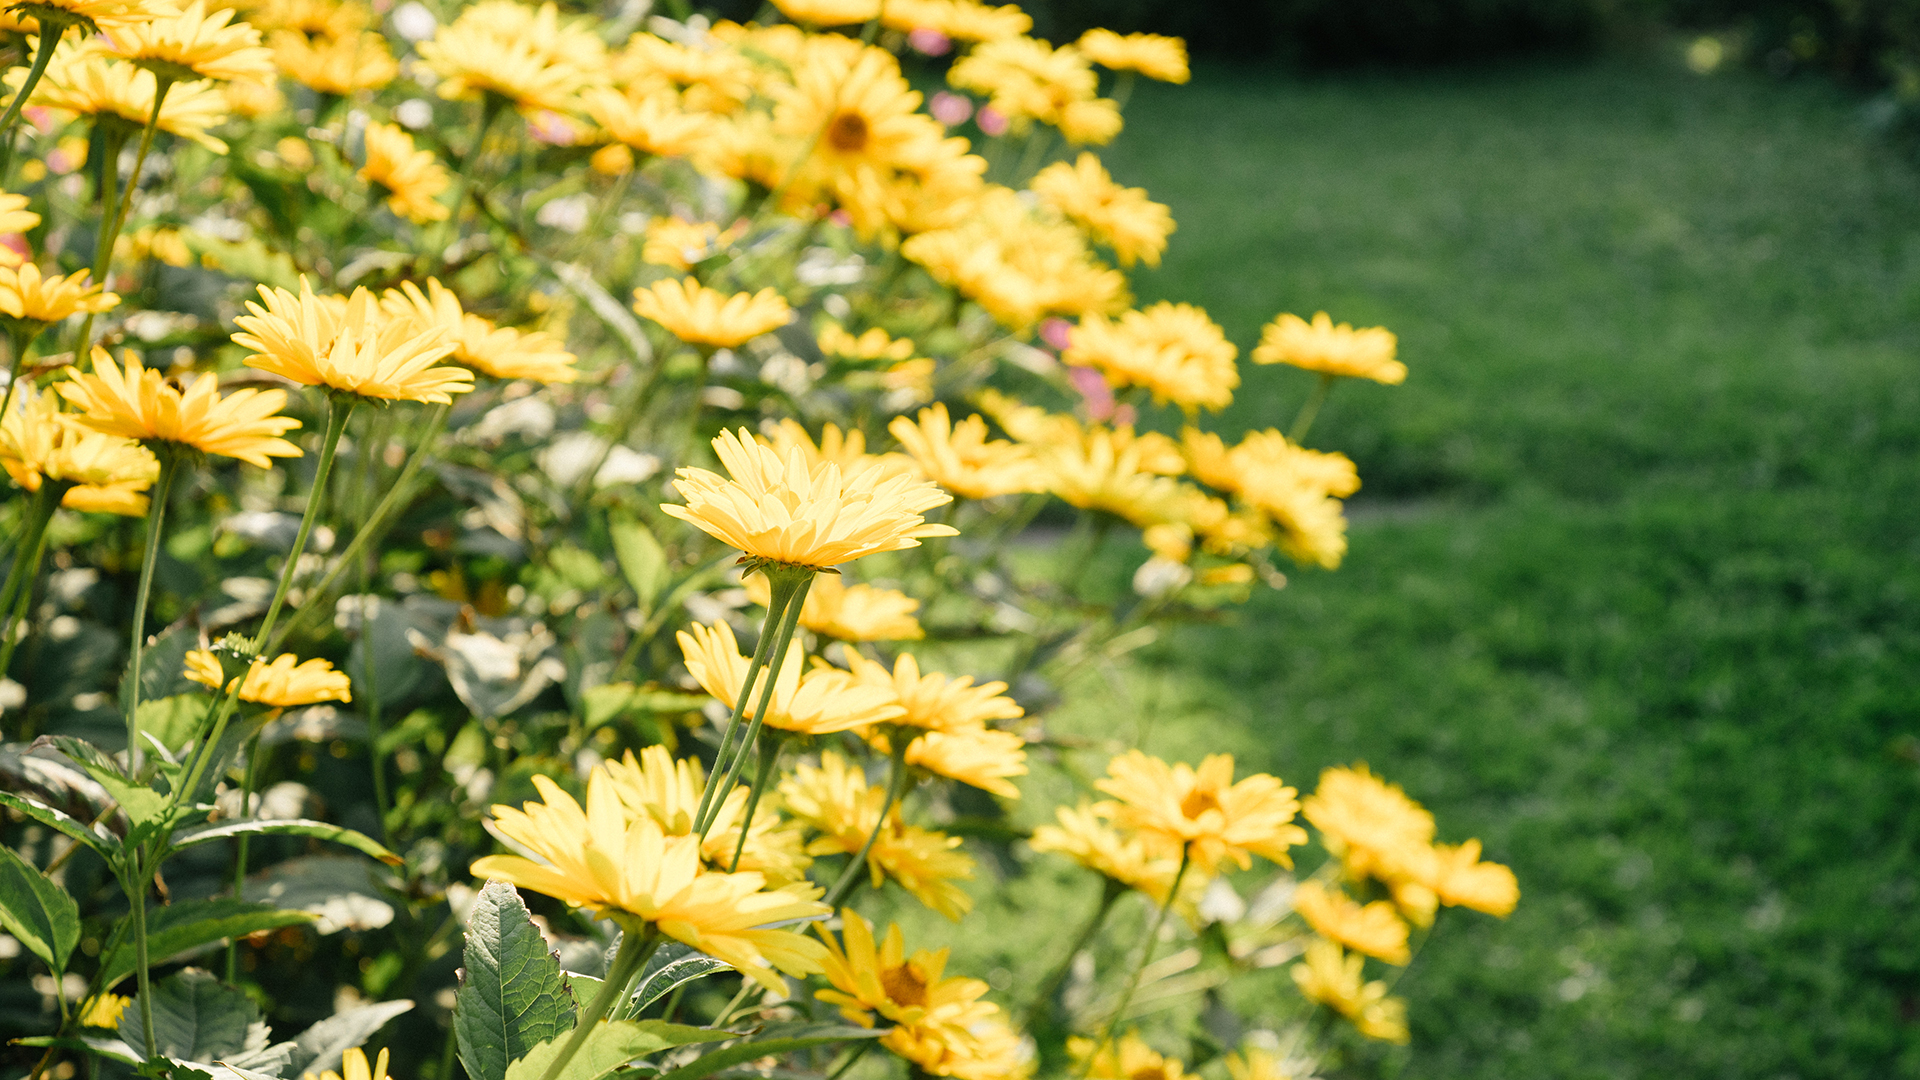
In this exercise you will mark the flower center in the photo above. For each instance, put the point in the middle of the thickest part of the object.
(904, 985)
(1150, 1072)
(847, 133)
(1197, 802)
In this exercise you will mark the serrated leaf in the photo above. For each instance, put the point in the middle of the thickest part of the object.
(512, 997)
(772, 1039)
(99, 839)
(140, 803)
(643, 562)
(197, 1018)
(610, 1047)
(360, 842)
(36, 911)
(188, 925)
(321, 1047)
(671, 965)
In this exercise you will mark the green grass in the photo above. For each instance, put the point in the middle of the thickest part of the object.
(1634, 590)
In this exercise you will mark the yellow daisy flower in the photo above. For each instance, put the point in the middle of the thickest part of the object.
(847, 449)
(679, 244)
(934, 701)
(38, 443)
(103, 1010)
(848, 612)
(836, 800)
(195, 45)
(14, 218)
(786, 512)
(625, 868)
(974, 756)
(1456, 877)
(283, 683)
(652, 123)
(92, 14)
(701, 316)
(1373, 929)
(1300, 490)
(1110, 469)
(1203, 809)
(1123, 218)
(1125, 1058)
(341, 66)
(353, 1064)
(349, 346)
(1018, 265)
(138, 403)
(1153, 55)
(926, 863)
(1173, 350)
(314, 18)
(829, 12)
(1331, 350)
(960, 457)
(931, 1014)
(414, 179)
(27, 297)
(1367, 823)
(498, 351)
(1332, 978)
(523, 55)
(1255, 1063)
(252, 100)
(668, 790)
(1144, 862)
(961, 20)
(86, 82)
(874, 344)
(821, 701)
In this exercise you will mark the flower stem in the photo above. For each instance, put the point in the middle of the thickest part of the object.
(339, 408)
(1304, 421)
(1042, 1005)
(137, 899)
(22, 339)
(240, 852)
(1146, 954)
(896, 786)
(770, 744)
(777, 604)
(111, 223)
(633, 952)
(156, 520)
(26, 563)
(803, 578)
(49, 40)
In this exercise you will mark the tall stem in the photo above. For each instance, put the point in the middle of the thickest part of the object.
(632, 953)
(1042, 1005)
(240, 854)
(49, 40)
(802, 578)
(896, 786)
(156, 519)
(1303, 422)
(776, 608)
(24, 598)
(22, 339)
(113, 219)
(137, 897)
(26, 561)
(1146, 954)
(770, 744)
(339, 408)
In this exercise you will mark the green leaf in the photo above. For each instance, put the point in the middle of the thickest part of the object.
(321, 1047)
(671, 965)
(173, 720)
(610, 1047)
(38, 912)
(97, 838)
(642, 560)
(360, 842)
(140, 803)
(189, 924)
(197, 1018)
(772, 1039)
(111, 1049)
(512, 996)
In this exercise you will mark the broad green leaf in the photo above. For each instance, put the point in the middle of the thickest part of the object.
(512, 996)
(772, 1039)
(140, 803)
(189, 924)
(163, 666)
(320, 1047)
(611, 1046)
(38, 912)
(197, 1018)
(97, 838)
(642, 561)
(671, 965)
(360, 842)
(339, 890)
(173, 720)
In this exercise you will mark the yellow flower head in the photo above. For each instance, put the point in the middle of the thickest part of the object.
(1203, 808)
(934, 701)
(14, 218)
(1173, 350)
(413, 178)
(829, 12)
(930, 1013)
(658, 786)
(821, 701)
(655, 122)
(348, 345)
(624, 867)
(960, 457)
(353, 1063)
(283, 683)
(701, 316)
(1152, 55)
(846, 449)
(1027, 79)
(498, 351)
(1456, 877)
(195, 45)
(1256, 1063)
(93, 14)
(1127, 1058)
(314, 18)
(1300, 490)
(138, 403)
(858, 112)
(1331, 350)
(874, 344)
(39, 443)
(1142, 861)
(1018, 265)
(926, 863)
(674, 242)
(1333, 978)
(836, 800)
(1369, 824)
(1111, 469)
(961, 20)
(1373, 929)
(84, 81)
(975, 756)
(27, 297)
(786, 512)
(525, 55)
(103, 1010)
(334, 65)
(848, 612)
(1123, 218)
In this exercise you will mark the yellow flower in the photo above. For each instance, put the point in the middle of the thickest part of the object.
(829, 12)
(39, 443)
(625, 868)
(155, 242)
(786, 512)
(27, 297)
(961, 20)
(847, 450)
(934, 701)
(701, 316)
(1373, 929)
(524, 55)
(334, 65)
(86, 82)
(91, 14)
(1331, 350)
(668, 791)
(283, 683)
(1127, 1058)
(1123, 218)
(1146, 862)
(837, 801)
(354, 1064)
(933, 1017)
(1333, 978)
(1300, 490)
(856, 110)
(252, 100)
(1203, 808)
(103, 1010)
(195, 45)
(679, 244)
(413, 178)
(960, 457)
(874, 344)
(652, 123)
(14, 218)
(1017, 265)
(926, 863)
(138, 403)
(975, 756)
(1173, 350)
(1152, 55)
(316, 18)
(1367, 823)
(821, 701)
(1256, 1064)
(848, 612)
(1109, 469)
(1027, 79)
(348, 345)
(498, 351)
(1457, 878)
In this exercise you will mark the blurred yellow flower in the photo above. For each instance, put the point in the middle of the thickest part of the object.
(139, 404)
(701, 316)
(652, 122)
(960, 457)
(524, 55)
(414, 179)
(1146, 862)
(1123, 218)
(497, 351)
(1026, 79)
(1017, 265)
(14, 218)
(87, 82)
(334, 65)
(103, 1010)
(961, 20)
(786, 512)
(1256, 1063)
(194, 45)
(932, 1016)
(349, 346)
(94, 14)
(27, 297)
(678, 243)
(873, 344)
(668, 790)
(1373, 928)
(283, 683)
(1331, 350)
(976, 756)
(623, 867)
(1204, 809)
(821, 701)
(829, 12)
(1109, 469)
(836, 800)
(845, 449)
(1172, 350)
(316, 18)
(934, 701)
(1299, 489)
(1457, 878)
(848, 612)
(1333, 978)
(38, 443)
(1152, 55)
(1127, 1058)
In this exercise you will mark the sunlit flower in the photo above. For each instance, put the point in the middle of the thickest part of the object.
(701, 316)
(138, 403)
(1331, 350)
(38, 443)
(1203, 808)
(1152, 55)
(679, 244)
(86, 82)
(349, 346)
(26, 296)
(414, 179)
(353, 1066)
(1019, 265)
(1109, 469)
(334, 65)
(848, 612)
(829, 12)
(960, 457)
(785, 512)
(525, 55)
(1372, 928)
(93, 14)
(1256, 1063)
(821, 701)
(668, 790)
(317, 18)
(961, 20)
(1143, 861)
(873, 344)
(977, 756)
(623, 867)
(1173, 350)
(1122, 218)
(932, 1016)
(1027, 80)
(1333, 978)
(934, 701)
(836, 800)
(652, 123)
(498, 351)
(926, 863)
(1126, 1058)
(1300, 490)
(283, 683)
(1369, 824)
(1457, 878)
(194, 45)
(845, 449)
(103, 1010)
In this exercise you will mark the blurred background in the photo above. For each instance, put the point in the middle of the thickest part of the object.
(1634, 589)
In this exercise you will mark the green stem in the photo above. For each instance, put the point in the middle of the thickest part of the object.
(25, 562)
(633, 952)
(776, 609)
(156, 519)
(1146, 954)
(770, 744)
(896, 786)
(858, 1052)
(800, 579)
(1042, 1005)
(22, 339)
(42, 56)
(110, 226)
(24, 599)
(240, 855)
(143, 977)
(1304, 421)
(339, 408)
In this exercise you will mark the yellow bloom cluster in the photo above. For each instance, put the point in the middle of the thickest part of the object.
(104, 473)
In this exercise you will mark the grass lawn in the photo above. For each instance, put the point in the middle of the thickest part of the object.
(1634, 591)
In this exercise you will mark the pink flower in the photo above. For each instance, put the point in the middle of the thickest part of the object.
(1057, 332)
(1095, 395)
(950, 109)
(927, 40)
(840, 218)
(992, 121)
